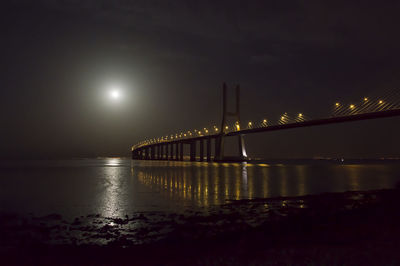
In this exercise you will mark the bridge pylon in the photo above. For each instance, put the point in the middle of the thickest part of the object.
(219, 152)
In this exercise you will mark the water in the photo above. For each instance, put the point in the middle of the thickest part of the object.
(116, 187)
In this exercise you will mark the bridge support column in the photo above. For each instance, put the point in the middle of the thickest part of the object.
(162, 151)
(171, 152)
(201, 150)
(219, 152)
(152, 153)
(208, 149)
(176, 151)
(193, 151)
(166, 151)
(146, 153)
(181, 151)
(217, 148)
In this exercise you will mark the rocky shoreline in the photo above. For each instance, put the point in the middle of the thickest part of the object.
(332, 228)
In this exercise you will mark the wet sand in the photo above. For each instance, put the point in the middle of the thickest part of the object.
(330, 229)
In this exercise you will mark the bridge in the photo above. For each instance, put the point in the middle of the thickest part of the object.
(172, 147)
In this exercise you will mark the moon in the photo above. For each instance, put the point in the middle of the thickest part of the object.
(115, 94)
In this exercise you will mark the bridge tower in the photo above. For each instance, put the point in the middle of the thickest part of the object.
(219, 151)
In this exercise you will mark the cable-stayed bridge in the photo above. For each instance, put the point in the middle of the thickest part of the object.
(172, 147)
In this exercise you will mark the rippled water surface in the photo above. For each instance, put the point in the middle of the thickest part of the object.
(116, 187)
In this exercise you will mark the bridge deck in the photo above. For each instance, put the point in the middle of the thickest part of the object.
(309, 123)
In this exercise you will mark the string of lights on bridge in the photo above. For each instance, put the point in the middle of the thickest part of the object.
(365, 105)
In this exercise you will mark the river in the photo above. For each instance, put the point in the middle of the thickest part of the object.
(115, 187)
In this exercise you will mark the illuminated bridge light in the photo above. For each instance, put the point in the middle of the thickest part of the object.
(265, 121)
(380, 102)
(365, 99)
(206, 131)
(337, 104)
(250, 124)
(216, 129)
(300, 115)
(237, 127)
(184, 135)
(352, 106)
(226, 127)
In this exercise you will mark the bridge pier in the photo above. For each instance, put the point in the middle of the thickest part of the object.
(193, 151)
(152, 152)
(176, 151)
(135, 154)
(166, 151)
(201, 150)
(217, 148)
(181, 151)
(146, 153)
(171, 152)
(208, 149)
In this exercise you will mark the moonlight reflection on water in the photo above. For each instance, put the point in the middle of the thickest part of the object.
(116, 187)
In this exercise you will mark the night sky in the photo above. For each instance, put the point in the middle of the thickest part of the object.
(59, 60)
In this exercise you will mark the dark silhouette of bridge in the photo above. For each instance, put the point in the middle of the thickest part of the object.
(172, 147)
